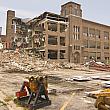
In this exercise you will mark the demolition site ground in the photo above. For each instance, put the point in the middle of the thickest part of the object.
(64, 92)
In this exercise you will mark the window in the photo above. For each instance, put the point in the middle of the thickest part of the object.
(85, 31)
(92, 55)
(52, 54)
(106, 55)
(76, 29)
(91, 32)
(62, 54)
(92, 44)
(106, 58)
(62, 41)
(98, 55)
(65, 13)
(52, 40)
(97, 33)
(63, 27)
(75, 12)
(98, 58)
(106, 35)
(106, 45)
(85, 54)
(76, 36)
(85, 43)
(98, 45)
(52, 26)
(76, 47)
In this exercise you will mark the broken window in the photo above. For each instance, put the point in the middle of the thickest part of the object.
(85, 31)
(63, 27)
(85, 54)
(52, 40)
(98, 55)
(106, 35)
(35, 38)
(62, 54)
(106, 56)
(98, 45)
(97, 33)
(52, 26)
(92, 55)
(106, 45)
(92, 44)
(62, 41)
(40, 27)
(52, 54)
(85, 43)
(91, 32)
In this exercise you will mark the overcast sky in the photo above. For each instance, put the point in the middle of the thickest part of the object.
(95, 10)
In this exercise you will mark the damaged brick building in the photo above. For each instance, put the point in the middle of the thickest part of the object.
(65, 37)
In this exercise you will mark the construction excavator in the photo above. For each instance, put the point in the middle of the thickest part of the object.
(102, 99)
(33, 93)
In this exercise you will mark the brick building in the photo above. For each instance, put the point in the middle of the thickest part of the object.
(9, 28)
(68, 37)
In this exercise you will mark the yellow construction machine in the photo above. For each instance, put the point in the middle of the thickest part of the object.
(33, 93)
(103, 99)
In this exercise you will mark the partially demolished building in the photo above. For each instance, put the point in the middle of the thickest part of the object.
(49, 31)
(66, 37)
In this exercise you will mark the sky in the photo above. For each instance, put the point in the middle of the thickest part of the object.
(93, 10)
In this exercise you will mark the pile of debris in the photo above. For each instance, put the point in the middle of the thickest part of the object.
(22, 62)
(98, 66)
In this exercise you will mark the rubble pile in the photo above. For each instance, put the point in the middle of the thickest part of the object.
(21, 62)
(98, 66)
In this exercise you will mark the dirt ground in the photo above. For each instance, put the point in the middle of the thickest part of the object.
(69, 94)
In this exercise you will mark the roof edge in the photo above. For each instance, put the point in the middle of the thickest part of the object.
(69, 3)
